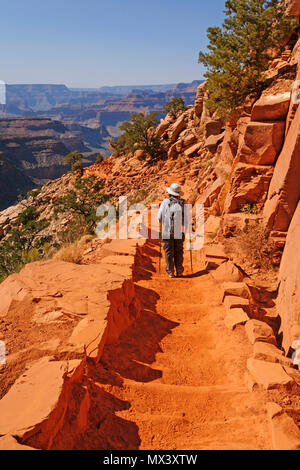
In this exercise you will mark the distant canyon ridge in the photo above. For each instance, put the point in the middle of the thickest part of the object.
(40, 124)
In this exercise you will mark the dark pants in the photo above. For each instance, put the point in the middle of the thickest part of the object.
(174, 255)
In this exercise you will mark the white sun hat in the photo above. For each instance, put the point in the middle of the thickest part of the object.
(174, 189)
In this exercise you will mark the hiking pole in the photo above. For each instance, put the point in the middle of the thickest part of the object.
(191, 256)
(159, 264)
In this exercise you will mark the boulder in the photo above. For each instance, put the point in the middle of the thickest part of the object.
(270, 353)
(285, 432)
(232, 301)
(249, 184)
(288, 300)
(257, 330)
(188, 140)
(53, 292)
(268, 374)
(178, 126)
(192, 150)
(235, 317)
(262, 143)
(212, 127)
(212, 142)
(271, 107)
(227, 272)
(239, 289)
(163, 126)
(284, 190)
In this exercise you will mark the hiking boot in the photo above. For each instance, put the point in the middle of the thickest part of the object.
(170, 274)
(179, 273)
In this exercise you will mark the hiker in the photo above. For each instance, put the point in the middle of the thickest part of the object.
(171, 217)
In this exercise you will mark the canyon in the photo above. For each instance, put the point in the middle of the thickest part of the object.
(136, 360)
(40, 124)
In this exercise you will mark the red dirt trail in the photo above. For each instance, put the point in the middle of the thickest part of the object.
(181, 372)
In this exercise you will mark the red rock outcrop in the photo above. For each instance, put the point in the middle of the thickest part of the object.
(90, 306)
(249, 184)
(288, 301)
(284, 191)
(262, 143)
(271, 107)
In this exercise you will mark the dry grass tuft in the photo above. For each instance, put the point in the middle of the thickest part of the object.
(255, 246)
(86, 239)
(71, 253)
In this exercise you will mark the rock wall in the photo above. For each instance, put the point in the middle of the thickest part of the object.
(288, 302)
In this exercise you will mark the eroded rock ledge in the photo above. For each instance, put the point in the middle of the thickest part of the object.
(53, 392)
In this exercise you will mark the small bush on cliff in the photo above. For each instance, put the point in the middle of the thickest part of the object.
(139, 134)
(74, 159)
(24, 244)
(239, 52)
(83, 200)
(249, 208)
(76, 228)
(175, 106)
(34, 192)
(99, 158)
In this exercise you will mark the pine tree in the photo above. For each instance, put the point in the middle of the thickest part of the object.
(138, 134)
(174, 106)
(74, 159)
(239, 52)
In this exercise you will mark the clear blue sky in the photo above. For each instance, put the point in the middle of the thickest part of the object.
(90, 43)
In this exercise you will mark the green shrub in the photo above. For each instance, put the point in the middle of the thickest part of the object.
(175, 106)
(34, 192)
(82, 201)
(139, 134)
(249, 207)
(99, 158)
(74, 159)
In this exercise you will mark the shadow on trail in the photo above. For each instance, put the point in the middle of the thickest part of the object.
(131, 356)
(144, 266)
(203, 272)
